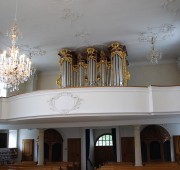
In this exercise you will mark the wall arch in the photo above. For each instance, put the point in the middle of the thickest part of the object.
(53, 146)
(103, 149)
(155, 144)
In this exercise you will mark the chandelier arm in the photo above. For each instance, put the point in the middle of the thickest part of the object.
(154, 55)
(14, 68)
(15, 16)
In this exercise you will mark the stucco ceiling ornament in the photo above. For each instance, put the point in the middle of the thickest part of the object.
(70, 14)
(160, 33)
(32, 51)
(173, 8)
(84, 36)
(64, 103)
(154, 34)
(166, 4)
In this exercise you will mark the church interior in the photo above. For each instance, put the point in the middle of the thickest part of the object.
(89, 85)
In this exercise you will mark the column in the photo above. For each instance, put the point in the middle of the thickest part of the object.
(41, 147)
(137, 144)
(118, 145)
(83, 148)
(172, 149)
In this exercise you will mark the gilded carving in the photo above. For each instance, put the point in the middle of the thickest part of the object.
(94, 66)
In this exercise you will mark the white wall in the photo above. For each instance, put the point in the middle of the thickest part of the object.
(26, 87)
(27, 134)
(128, 131)
(69, 133)
(141, 75)
(124, 131)
(65, 133)
(47, 80)
(173, 129)
(12, 142)
(99, 132)
(160, 74)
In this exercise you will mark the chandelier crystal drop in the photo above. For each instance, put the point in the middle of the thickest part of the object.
(14, 68)
(154, 55)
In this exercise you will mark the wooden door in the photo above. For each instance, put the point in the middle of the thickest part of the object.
(127, 149)
(74, 150)
(103, 154)
(176, 140)
(28, 150)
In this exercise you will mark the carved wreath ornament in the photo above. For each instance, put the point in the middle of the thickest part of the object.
(64, 103)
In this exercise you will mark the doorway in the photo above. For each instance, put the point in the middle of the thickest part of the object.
(28, 150)
(176, 140)
(74, 150)
(53, 146)
(127, 148)
(155, 144)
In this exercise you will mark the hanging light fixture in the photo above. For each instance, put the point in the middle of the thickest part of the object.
(154, 55)
(14, 67)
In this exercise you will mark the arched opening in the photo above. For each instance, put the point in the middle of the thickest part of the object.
(144, 151)
(56, 152)
(155, 144)
(155, 151)
(53, 144)
(46, 151)
(167, 154)
(104, 151)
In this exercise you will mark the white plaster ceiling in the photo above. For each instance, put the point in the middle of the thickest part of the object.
(54, 24)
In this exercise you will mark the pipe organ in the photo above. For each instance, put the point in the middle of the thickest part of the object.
(94, 67)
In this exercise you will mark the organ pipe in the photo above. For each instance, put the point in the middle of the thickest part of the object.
(94, 67)
(65, 77)
(81, 71)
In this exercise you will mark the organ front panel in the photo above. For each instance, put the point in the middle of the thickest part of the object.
(94, 66)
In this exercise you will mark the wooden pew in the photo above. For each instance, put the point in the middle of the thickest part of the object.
(150, 166)
(48, 166)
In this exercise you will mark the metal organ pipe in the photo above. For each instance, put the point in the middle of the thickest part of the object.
(81, 73)
(94, 67)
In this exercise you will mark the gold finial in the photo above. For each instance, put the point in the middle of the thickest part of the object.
(91, 53)
(103, 57)
(118, 49)
(65, 53)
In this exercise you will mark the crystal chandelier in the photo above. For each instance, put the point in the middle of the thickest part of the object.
(154, 55)
(14, 68)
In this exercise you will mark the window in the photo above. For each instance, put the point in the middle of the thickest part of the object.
(105, 140)
(3, 92)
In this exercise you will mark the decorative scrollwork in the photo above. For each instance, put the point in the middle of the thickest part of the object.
(64, 103)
